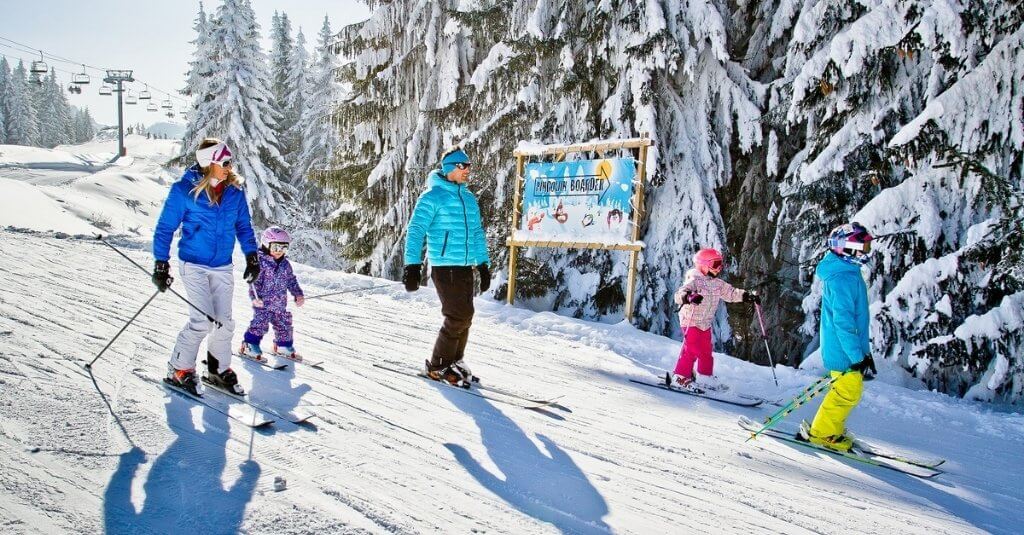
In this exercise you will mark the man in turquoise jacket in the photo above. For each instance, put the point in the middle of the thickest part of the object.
(447, 217)
(845, 344)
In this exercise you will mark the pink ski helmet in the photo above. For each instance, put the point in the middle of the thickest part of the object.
(275, 235)
(708, 262)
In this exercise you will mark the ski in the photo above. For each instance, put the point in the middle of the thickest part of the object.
(874, 451)
(314, 364)
(862, 457)
(738, 401)
(291, 416)
(878, 452)
(503, 392)
(252, 420)
(510, 400)
(261, 361)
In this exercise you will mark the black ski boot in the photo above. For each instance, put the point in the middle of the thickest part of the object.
(226, 380)
(183, 379)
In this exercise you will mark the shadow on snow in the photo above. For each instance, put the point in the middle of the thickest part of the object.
(547, 486)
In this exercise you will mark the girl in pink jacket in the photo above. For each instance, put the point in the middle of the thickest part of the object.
(698, 300)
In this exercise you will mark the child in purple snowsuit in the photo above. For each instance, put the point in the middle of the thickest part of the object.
(269, 295)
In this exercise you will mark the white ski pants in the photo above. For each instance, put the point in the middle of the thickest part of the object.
(210, 289)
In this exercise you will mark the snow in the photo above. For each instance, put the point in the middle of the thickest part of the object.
(115, 452)
(81, 192)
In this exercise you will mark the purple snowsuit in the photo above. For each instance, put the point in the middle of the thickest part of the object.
(272, 286)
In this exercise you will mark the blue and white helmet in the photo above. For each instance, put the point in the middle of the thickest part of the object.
(852, 243)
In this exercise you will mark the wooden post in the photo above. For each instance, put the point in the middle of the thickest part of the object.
(513, 253)
(638, 213)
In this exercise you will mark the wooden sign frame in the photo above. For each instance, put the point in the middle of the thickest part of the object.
(560, 152)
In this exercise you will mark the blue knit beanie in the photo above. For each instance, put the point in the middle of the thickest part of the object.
(449, 161)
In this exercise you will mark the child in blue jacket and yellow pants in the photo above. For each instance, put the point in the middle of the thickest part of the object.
(845, 342)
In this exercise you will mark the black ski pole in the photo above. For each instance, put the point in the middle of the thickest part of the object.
(764, 335)
(146, 271)
(89, 364)
(348, 291)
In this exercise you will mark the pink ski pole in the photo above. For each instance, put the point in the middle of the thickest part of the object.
(764, 336)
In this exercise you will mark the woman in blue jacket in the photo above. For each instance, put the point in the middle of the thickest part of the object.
(447, 217)
(208, 205)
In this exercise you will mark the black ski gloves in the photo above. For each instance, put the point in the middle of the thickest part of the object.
(485, 277)
(411, 277)
(252, 268)
(751, 297)
(162, 275)
(866, 367)
(692, 298)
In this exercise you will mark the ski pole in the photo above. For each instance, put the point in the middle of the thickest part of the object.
(144, 270)
(799, 397)
(794, 405)
(89, 364)
(348, 291)
(764, 335)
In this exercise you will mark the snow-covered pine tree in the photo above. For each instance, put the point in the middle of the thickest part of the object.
(240, 112)
(202, 69)
(78, 129)
(281, 49)
(54, 113)
(298, 89)
(5, 96)
(319, 136)
(907, 116)
(427, 74)
(22, 127)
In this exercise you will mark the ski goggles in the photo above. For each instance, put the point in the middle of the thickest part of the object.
(218, 154)
(463, 166)
(715, 265)
(279, 247)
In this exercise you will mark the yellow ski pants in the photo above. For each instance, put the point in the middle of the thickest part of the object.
(838, 402)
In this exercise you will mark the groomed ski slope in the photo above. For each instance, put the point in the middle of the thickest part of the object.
(394, 454)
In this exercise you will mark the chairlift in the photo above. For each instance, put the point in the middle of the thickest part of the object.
(166, 104)
(152, 107)
(170, 115)
(74, 89)
(39, 67)
(81, 78)
(105, 89)
(131, 99)
(144, 94)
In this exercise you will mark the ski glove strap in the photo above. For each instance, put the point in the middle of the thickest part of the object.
(162, 275)
(692, 298)
(751, 297)
(252, 268)
(411, 277)
(485, 277)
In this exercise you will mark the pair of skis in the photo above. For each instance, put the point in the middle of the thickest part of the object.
(256, 419)
(861, 452)
(265, 362)
(740, 400)
(483, 391)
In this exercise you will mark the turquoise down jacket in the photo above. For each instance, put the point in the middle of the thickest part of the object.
(447, 216)
(844, 314)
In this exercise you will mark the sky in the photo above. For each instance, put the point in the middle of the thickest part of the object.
(151, 37)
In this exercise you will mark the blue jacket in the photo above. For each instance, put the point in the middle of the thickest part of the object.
(208, 231)
(447, 216)
(844, 314)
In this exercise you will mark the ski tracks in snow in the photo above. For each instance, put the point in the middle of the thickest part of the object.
(386, 453)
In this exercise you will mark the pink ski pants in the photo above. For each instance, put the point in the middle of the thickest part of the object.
(696, 348)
